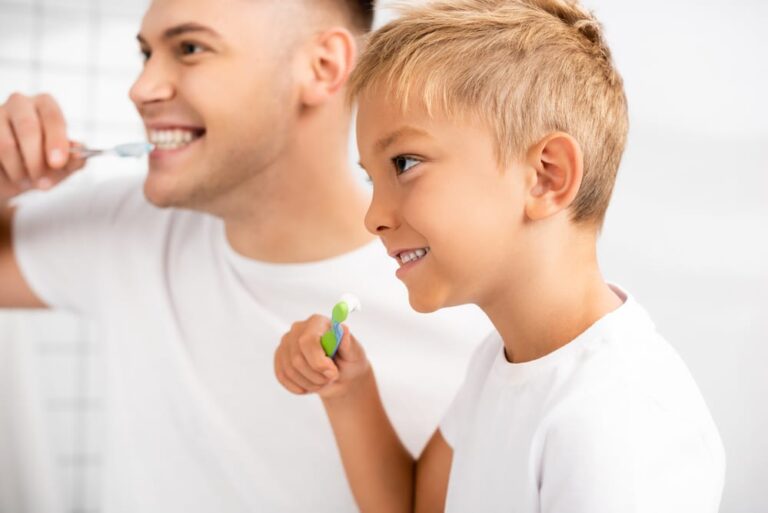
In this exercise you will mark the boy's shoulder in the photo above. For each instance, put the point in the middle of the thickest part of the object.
(630, 389)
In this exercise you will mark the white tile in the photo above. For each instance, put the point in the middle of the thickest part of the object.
(66, 40)
(14, 80)
(71, 90)
(16, 33)
(118, 48)
(67, 5)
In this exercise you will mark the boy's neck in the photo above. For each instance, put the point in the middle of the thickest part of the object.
(559, 297)
(308, 205)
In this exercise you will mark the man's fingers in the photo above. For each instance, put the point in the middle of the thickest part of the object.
(27, 129)
(11, 164)
(54, 131)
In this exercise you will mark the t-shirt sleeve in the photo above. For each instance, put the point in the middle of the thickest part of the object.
(463, 402)
(59, 238)
(629, 456)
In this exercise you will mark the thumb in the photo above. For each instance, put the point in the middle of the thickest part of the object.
(350, 349)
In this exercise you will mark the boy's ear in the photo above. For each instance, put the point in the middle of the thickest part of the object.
(331, 56)
(556, 165)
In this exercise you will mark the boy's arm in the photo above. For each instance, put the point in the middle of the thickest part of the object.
(382, 473)
(379, 469)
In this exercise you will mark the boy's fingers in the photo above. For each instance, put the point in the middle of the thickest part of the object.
(349, 349)
(300, 363)
(54, 131)
(290, 385)
(297, 378)
(315, 355)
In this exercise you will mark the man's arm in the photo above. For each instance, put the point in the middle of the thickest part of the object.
(14, 290)
(34, 153)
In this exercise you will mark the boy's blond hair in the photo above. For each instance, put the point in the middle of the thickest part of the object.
(523, 67)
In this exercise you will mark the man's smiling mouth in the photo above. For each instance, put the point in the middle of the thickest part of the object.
(175, 138)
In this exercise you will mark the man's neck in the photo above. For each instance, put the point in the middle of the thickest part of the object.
(307, 205)
(562, 294)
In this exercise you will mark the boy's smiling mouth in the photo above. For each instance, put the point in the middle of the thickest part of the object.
(409, 256)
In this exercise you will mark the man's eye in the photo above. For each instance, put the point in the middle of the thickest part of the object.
(145, 55)
(403, 163)
(190, 48)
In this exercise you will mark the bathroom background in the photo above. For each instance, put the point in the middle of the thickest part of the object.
(687, 233)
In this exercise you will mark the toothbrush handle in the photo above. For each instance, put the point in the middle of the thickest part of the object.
(84, 153)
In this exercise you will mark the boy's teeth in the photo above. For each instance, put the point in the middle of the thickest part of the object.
(412, 255)
(171, 139)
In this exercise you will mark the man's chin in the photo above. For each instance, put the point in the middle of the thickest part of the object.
(162, 195)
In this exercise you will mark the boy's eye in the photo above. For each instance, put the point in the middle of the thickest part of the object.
(403, 163)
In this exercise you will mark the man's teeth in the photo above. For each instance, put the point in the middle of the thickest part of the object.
(171, 139)
(410, 256)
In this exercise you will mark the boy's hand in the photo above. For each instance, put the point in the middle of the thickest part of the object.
(34, 148)
(302, 366)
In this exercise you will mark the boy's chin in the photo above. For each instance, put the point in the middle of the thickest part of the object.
(424, 304)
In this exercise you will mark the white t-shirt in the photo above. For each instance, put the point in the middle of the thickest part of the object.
(610, 423)
(195, 418)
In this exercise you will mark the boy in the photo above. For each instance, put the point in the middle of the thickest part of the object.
(492, 131)
(261, 223)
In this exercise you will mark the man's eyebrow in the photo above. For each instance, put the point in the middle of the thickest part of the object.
(387, 141)
(184, 28)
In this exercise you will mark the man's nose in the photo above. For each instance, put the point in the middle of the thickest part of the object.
(155, 84)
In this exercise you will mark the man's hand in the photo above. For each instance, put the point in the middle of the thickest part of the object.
(302, 366)
(34, 148)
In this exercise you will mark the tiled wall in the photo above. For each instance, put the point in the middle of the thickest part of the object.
(84, 53)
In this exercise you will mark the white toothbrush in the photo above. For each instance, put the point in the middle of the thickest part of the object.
(121, 150)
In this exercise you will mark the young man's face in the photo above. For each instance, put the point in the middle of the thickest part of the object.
(441, 204)
(215, 94)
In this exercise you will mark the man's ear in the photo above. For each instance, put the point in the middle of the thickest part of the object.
(331, 56)
(556, 166)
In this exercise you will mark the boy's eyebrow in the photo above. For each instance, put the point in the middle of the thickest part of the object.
(386, 141)
(184, 28)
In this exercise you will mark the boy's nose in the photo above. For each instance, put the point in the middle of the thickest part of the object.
(154, 84)
(380, 216)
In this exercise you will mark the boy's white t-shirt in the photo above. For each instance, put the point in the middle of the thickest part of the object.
(610, 423)
(195, 418)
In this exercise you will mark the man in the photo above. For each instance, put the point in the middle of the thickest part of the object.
(260, 223)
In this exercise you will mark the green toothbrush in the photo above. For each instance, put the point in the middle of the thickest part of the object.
(341, 310)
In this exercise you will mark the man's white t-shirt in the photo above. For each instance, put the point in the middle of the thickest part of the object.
(610, 423)
(195, 418)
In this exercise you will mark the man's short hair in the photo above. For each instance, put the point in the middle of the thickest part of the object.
(524, 68)
(360, 13)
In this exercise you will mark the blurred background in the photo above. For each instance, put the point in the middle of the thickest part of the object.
(687, 232)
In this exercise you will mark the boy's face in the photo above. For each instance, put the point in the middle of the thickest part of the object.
(215, 94)
(441, 204)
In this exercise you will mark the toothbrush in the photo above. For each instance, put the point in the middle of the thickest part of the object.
(332, 338)
(121, 150)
